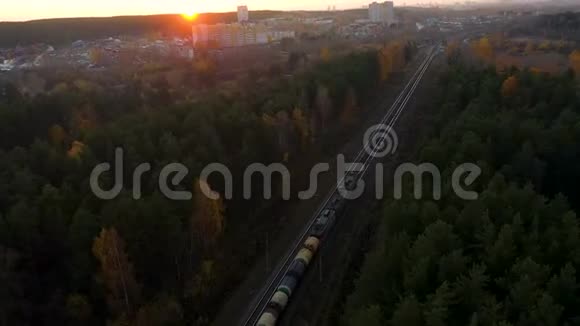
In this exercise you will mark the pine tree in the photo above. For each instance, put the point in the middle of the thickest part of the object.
(370, 316)
(408, 312)
(470, 289)
(437, 306)
(546, 312)
(563, 287)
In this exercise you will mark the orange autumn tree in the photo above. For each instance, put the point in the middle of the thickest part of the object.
(451, 47)
(76, 149)
(386, 63)
(575, 62)
(510, 86)
(390, 57)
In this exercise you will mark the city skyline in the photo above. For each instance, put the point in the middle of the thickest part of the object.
(38, 9)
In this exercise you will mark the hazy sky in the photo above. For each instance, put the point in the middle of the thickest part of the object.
(14, 10)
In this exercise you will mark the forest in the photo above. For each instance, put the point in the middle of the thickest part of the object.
(508, 258)
(68, 258)
(564, 26)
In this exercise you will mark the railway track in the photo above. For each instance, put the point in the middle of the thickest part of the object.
(260, 304)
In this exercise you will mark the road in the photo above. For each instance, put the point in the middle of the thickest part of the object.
(260, 301)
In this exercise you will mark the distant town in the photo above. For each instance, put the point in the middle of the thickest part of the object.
(379, 20)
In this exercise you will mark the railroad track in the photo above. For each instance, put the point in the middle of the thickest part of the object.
(258, 307)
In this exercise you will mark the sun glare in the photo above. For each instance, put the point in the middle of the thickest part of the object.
(190, 16)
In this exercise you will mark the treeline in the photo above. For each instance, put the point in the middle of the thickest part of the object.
(567, 21)
(563, 26)
(68, 258)
(66, 30)
(512, 256)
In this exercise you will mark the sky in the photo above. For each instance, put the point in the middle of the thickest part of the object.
(20, 10)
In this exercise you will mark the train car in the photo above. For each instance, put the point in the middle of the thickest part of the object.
(337, 203)
(305, 255)
(318, 230)
(312, 243)
(323, 222)
(279, 301)
(297, 269)
(350, 182)
(268, 318)
(288, 285)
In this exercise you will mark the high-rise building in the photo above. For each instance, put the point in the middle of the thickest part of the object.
(243, 14)
(383, 13)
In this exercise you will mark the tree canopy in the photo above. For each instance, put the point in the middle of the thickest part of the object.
(508, 258)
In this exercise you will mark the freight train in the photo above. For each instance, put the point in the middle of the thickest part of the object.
(304, 257)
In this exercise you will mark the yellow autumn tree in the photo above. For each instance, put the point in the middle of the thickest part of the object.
(575, 62)
(398, 50)
(85, 86)
(284, 129)
(510, 86)
(302, 125)
(324, 105)
(545, 46)
(451, 46)
(386, 63)
(207, 218)
(325, 54)
(96, 56)
(349, 115)
(205, 68)
(57, 135)
(268, 120)
(452, 51)
(483, 49)
(116, 272)
(153, 36)
(530, 47)
(60, 88)
(391, 57)
(204, 281)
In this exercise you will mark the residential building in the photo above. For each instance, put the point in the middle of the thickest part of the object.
(232, 35)
(243, 14)
(383, 13)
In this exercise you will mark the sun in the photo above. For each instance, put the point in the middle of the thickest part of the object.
(190, 16)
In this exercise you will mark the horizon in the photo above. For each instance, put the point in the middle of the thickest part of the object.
(62, 9)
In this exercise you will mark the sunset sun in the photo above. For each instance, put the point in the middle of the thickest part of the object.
(190, 16)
